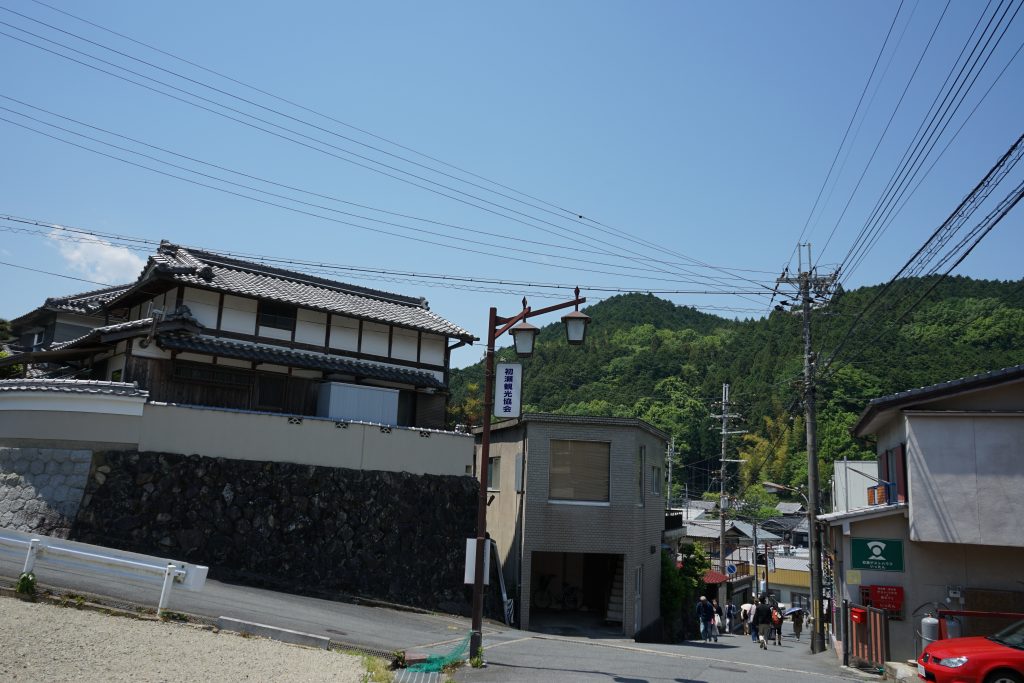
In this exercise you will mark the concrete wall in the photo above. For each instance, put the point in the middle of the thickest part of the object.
(928, 569)
(41, 488)
(966, 475)
(309, 441)
(620, 527)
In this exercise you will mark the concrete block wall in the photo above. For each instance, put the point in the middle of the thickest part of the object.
(620, 527)
(41, 488)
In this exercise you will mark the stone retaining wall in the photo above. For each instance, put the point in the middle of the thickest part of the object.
(41, 488)
(388, 535)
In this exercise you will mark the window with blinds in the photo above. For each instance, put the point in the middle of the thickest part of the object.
(578, 470)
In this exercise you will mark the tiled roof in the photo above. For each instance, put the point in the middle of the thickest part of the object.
(87, 302)
(97, 332)
(934, 391)
(711, 529)
(789, 508)
(782, 524)
(74, 386)
(83, 303)
(244, 278)
(297, 359)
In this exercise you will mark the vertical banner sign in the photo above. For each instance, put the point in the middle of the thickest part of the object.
(508, 385)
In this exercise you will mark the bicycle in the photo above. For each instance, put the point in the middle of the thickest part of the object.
(544, 596)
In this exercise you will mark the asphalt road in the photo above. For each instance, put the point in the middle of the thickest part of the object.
(511, 655)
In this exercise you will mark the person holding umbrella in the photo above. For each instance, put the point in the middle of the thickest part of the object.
(798, 622)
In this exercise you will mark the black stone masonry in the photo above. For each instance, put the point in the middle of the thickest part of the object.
(391, 536)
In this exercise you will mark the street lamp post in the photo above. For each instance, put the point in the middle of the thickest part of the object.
(524, 335)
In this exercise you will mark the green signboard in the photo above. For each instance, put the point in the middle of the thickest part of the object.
(876, 554)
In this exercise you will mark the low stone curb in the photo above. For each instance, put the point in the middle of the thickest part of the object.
(274, 633)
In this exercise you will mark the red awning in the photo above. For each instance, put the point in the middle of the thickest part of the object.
(711, 576)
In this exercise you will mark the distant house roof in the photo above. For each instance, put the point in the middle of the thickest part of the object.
(206, 270)
(904, 399)
(790, 508)
(781, 525)
(709, 528)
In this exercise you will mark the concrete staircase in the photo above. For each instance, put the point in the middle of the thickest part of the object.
(615, 597)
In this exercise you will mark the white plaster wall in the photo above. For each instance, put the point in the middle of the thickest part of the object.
(267, 367)
(195, 357)
(404, 344)
(273, 332)
(203, 304)
(239, 315)
(114, 364)
(67, 429)
(375, 339)
(432, 349)
(311, 327)
(255, 436)
(966, 476)
(151, 351)
(344, 334)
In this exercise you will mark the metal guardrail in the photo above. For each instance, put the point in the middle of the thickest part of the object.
(58, 554)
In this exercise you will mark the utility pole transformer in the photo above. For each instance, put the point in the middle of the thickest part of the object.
(811, 286)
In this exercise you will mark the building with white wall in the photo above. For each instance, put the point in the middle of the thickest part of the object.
(944, 527)
(204, 329)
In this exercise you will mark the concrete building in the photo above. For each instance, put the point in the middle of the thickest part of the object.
(942, 524)
(577, 515)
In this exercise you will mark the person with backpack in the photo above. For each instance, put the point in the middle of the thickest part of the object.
(777, 624)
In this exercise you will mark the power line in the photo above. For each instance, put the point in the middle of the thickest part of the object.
(853, 117)
(294, 132)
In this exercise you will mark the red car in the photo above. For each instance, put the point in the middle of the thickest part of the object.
(997, 658)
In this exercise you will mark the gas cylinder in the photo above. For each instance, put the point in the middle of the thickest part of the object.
(929, 630)
(954, 629)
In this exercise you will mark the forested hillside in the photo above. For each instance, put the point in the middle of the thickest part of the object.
(646, 357)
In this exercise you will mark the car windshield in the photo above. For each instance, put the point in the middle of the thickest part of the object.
(1012, 636)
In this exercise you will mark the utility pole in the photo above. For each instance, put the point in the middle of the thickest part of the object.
(812, 286)
(671, 457)
(726, 416)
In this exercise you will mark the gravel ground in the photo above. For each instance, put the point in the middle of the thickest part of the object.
(43, 642)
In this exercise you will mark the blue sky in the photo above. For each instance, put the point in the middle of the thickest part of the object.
(702, 130)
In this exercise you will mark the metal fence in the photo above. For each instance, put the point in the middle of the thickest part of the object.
(53, 555)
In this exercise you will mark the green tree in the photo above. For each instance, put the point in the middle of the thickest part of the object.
(673, 594)
(695, 563)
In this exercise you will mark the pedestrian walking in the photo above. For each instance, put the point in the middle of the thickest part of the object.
(750, 621)
(730, 616)
(763, 622)
(719, 621)
(777, 625)
(706, 615)
(798, 623)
